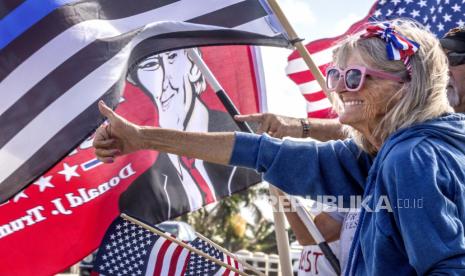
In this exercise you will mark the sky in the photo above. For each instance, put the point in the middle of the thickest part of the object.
(311, 19)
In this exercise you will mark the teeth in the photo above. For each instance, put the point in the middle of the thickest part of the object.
(353, 102)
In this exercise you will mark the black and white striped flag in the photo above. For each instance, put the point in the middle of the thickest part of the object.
(59, 57)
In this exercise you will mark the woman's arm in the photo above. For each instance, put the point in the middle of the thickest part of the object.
(308, 168)
(304, 168)
(432, 229)
(280, 126)
(122, 137)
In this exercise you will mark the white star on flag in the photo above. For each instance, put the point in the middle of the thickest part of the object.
(44, 183)
(19, 196)
(69, 171)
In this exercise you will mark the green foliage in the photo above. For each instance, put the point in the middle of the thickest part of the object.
(223, 223)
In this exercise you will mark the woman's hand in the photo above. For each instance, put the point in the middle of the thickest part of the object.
(275, 125)
(118, 137)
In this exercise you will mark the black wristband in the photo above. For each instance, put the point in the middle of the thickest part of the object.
(305, 127)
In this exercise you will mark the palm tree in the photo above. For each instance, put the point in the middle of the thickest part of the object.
(224, 224)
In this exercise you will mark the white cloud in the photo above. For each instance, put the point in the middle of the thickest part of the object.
(344, 23)
(300, 15)
(283, 95)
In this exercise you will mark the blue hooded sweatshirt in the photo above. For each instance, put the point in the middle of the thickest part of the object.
(422, 166)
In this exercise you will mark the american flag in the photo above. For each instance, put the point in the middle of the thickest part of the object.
(198, 265)
(437, 15)
(58, 58)
(129, 249)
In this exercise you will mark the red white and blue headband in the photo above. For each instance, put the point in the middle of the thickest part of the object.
(398, 47)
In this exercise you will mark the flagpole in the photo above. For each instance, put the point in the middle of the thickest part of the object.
(244, 263)
(219, 91)
(282, 239)
(297, 42)
(306, 218)
(185, 245)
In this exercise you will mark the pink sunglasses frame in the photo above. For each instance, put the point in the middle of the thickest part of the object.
(365, 71)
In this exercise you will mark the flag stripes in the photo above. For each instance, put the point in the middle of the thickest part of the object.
(167, 258)
(129, 249)
(7, 6)
(232, 262)
(117, 33)
(60, 80)
(58, 143)
(318, 106)
(46, 13)
(93, 23)
(219, 17)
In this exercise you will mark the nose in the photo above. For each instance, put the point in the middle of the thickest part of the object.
(166, 81)
(340, 86)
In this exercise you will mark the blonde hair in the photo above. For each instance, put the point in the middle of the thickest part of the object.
(422, 98)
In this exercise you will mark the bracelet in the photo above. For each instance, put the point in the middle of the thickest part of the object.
(305, 127)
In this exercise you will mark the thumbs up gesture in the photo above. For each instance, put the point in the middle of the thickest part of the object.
(117, 138)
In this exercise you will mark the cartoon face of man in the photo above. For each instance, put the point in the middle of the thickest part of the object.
(166, 77)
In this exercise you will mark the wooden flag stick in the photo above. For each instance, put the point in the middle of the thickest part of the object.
(297, 42)
(244, 263)
(282, 239)
(183, 244)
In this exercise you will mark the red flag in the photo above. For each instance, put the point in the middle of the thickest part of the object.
(63, 216)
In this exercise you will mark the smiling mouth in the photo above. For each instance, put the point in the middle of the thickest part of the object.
(352, 103)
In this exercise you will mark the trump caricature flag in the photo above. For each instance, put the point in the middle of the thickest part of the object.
(59, 57)
(63, 215)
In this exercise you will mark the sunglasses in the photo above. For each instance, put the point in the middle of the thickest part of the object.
(354, 77)
(456, 59)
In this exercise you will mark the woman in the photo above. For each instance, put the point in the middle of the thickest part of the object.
(390, 88)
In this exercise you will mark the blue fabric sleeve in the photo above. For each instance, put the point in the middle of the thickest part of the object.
(431, 229)
(304, 168)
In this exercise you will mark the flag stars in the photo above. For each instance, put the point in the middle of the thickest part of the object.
(440, 27)
(432, 9)
(456, 8)
(422, 3)
(447, 17)
(389, 12)
(401, 11)
(395, 2)
(415, 13)
(408, 1)
(461, 23)
(425, 19)
(19, 196)
(44, 183)
(69, 171)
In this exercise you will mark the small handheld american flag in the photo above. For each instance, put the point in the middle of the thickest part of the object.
(129, 249)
